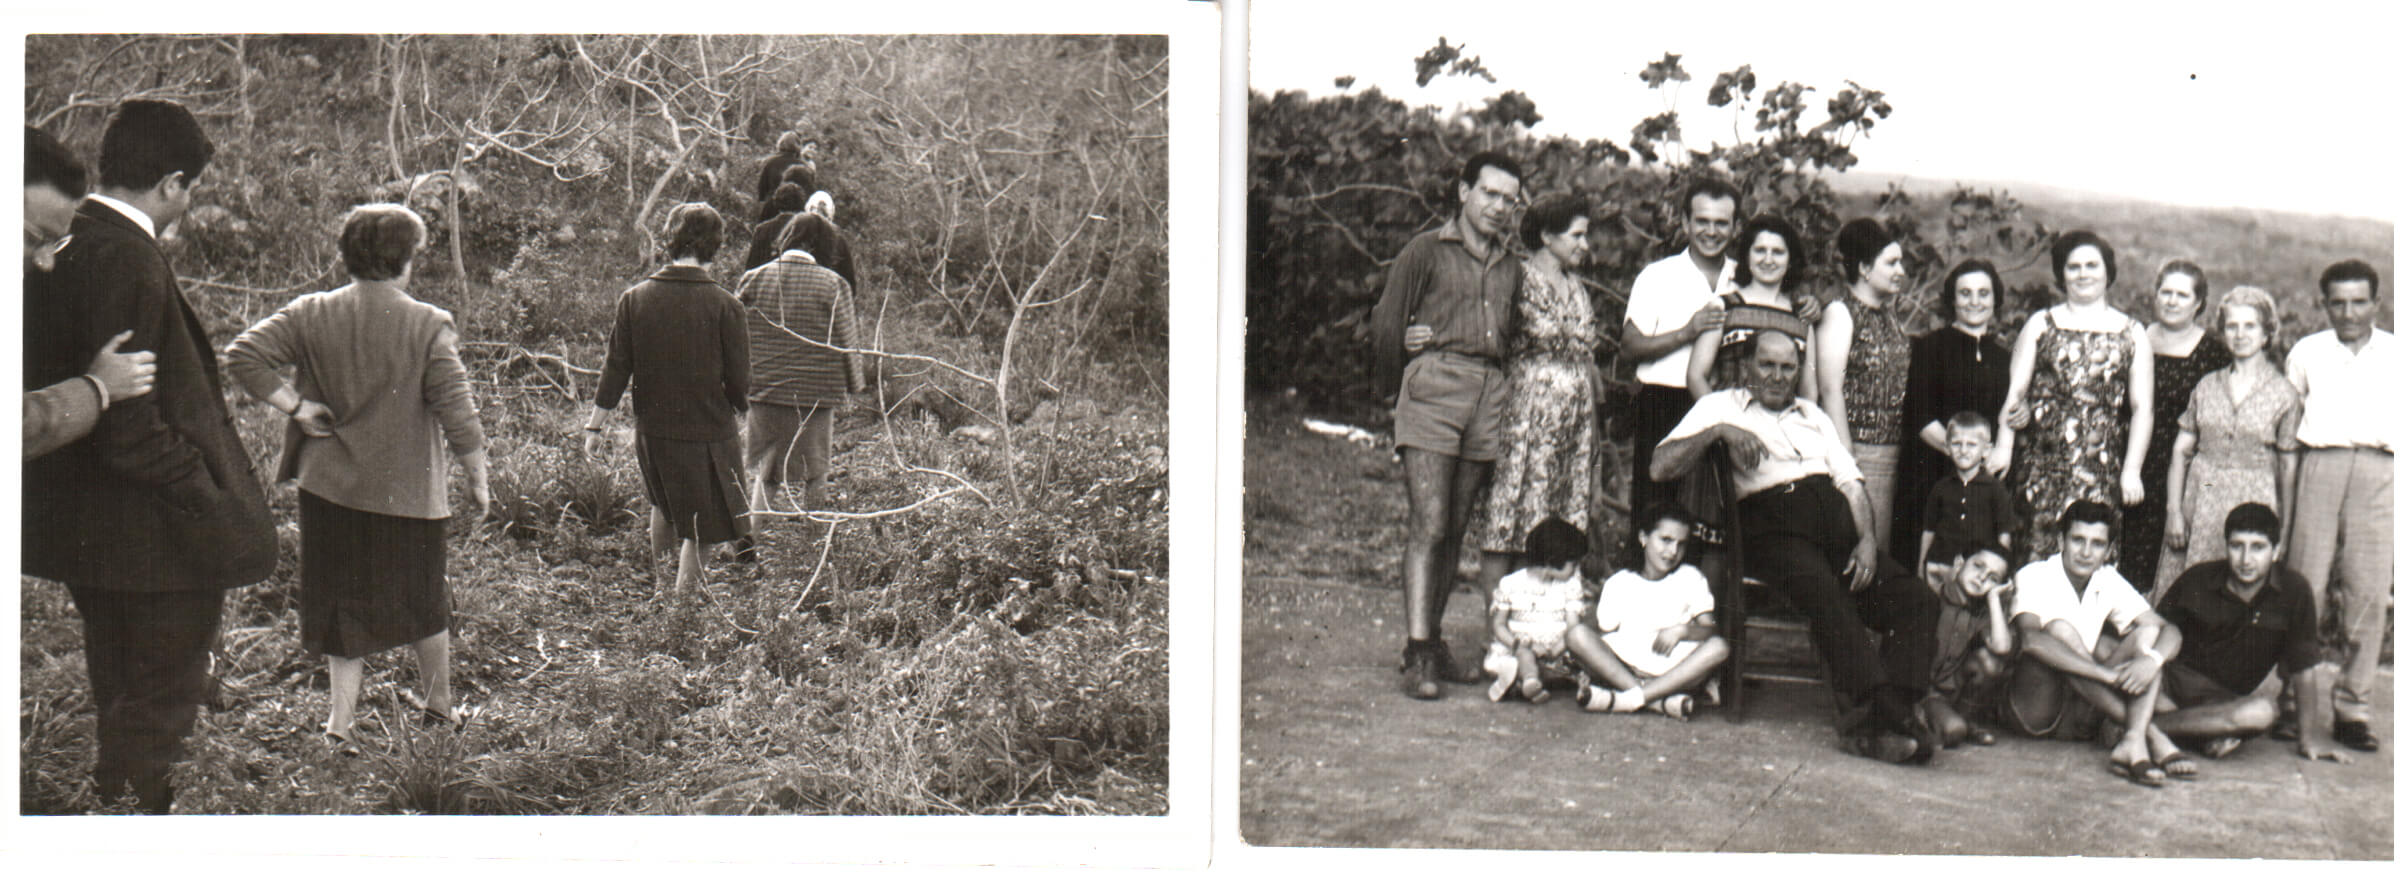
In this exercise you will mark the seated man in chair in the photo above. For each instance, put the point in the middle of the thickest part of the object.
(1805, 518)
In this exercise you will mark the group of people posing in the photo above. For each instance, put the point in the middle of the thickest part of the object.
(2107, 527)
(140, 497)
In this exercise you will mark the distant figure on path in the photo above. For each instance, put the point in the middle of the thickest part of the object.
(682, 344)
(1805, 521)
(379, 388)
(789, 152)
(1437, 337)
(788, 200)
(154, 515)
(2344, 496)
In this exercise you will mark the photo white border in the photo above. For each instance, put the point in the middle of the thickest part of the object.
(181, 844)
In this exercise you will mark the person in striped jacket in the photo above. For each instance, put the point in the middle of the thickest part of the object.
(804, 358)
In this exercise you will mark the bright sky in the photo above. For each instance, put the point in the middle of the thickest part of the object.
(2285, 106)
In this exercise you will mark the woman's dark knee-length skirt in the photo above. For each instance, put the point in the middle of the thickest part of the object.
(697, 484)
(368, 582)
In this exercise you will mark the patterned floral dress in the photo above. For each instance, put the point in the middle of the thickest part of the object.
(2234, 461)
(1548, 426)
(2173, 381)
(1875, 376)
(2075, 443)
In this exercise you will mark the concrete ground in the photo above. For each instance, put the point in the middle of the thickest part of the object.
(1333, 754)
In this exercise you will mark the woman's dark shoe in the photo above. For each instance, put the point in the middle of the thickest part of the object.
(341, 744)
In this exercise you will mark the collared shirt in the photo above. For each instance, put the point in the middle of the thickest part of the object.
(1665, 296)
(1961, 514)
(137, 215)
(1436, 282)
(1801, 440)
(2346, 396)
(2045, 592)
(2234, 641)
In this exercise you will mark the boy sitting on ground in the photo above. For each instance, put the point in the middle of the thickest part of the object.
(1972, 642)
(1968, 509)
(1652, 636)
(1533, 609)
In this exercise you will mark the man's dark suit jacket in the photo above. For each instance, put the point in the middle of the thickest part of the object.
(161, 495)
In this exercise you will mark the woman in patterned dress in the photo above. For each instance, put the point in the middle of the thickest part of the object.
(2081, 392)
(1548, 424)
(1865, 366)
(2235, 442)
(2182, 351)
(1960, 366)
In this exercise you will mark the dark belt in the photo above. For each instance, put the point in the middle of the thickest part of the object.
(1479, 360)
(1793, 486)
(2356, 448)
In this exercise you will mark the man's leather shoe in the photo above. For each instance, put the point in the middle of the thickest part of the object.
(2355, 735)
(1418, 674)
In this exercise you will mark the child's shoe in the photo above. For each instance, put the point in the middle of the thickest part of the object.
(1505, 674)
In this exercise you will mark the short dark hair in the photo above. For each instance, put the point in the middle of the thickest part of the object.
(1982, 545)
(1654, 514)
(148, 140)
(1951, 287)
(2253, 517)
(2189, 269)
(1475, 166)
(378, 239)
(2089, 511)
(2070, 242)
(1796, 255)
(1713, 186)
(49, 163)
(1551, 215)
(1860, 241)
(807, 232)
(800, 175)
(2349, 270)
(694, 230)
(1967, 419)
(788, 199)
(1554, 542)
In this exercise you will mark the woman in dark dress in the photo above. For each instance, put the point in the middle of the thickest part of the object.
(2182, 353)
(1959, 366)
(368, 459)
(681, 343)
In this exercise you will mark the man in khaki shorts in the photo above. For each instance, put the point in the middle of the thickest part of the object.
(1438, 334)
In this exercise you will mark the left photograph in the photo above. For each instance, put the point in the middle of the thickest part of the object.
(595, 425)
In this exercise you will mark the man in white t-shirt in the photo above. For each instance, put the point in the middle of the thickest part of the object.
(2341, 535)
(1665, 314)
(2063, 604)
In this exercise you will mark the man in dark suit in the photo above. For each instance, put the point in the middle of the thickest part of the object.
(150, 518)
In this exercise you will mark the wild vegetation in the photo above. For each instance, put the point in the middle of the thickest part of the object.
(983, 629)
(1338, 183)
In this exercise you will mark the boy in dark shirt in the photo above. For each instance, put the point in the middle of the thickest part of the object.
(2241, 616)
(1968, 509)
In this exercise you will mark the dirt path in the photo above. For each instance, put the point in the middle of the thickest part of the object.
(1333, 754)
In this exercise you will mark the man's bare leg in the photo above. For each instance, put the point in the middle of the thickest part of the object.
(1429, 476)
(2058, 647)
(1468, 483)
(2247, 716)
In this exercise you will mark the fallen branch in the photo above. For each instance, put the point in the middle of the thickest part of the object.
(516, 351)
(847, 516)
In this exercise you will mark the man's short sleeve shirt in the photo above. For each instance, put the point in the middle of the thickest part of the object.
(1665, 296)
(2045, 592)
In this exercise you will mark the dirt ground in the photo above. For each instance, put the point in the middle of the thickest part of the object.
(1333, 754)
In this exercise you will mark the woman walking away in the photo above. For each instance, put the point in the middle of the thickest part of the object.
(378, 388)
(2081, 393)
(1865, 368)
(679, 342)
(801, 316)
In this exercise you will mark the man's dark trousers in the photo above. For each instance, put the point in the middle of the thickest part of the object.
(1797, 538)
(148, 658)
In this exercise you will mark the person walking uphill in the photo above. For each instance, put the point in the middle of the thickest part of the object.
(1445, 314)
(680, 342)
(151, 517)
(801, 318)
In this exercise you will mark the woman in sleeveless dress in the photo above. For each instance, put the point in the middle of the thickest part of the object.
(2182, 351)
(1548, 426)
(1866, 365)
(2235, 441)
(2080, 393)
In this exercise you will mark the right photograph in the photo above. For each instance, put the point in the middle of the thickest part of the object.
(1859, 434)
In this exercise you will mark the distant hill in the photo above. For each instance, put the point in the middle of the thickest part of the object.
(2061, 199)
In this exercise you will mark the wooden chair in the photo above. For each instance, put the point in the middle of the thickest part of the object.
(1746, 605)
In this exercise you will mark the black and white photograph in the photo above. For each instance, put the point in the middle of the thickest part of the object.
(624, 424)
(1866, 430)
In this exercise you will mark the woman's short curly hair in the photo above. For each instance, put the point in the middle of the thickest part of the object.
(1550, 215)
(379, 239)
(1946, 299)
(2261, 302)
(1796, 254)
(694, 230)
(2069, 243)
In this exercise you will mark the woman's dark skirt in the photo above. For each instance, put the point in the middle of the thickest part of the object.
(368, 581)
(697, 484)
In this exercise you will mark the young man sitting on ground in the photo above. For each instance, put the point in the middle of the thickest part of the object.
(2240, 616)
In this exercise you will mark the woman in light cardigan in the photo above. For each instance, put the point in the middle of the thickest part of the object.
(378, 390)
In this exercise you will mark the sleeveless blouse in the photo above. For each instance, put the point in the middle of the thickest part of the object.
(1875, 376)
